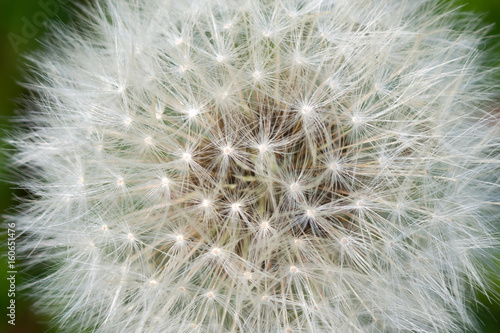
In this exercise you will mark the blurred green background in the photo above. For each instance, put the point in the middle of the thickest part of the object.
(18, 38)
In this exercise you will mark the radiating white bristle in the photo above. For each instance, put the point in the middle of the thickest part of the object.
(260, 166)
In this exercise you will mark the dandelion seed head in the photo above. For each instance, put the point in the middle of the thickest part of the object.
(275, 165)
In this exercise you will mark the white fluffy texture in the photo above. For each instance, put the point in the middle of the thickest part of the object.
(260, 166)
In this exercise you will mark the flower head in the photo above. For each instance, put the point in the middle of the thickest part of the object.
(260, 166)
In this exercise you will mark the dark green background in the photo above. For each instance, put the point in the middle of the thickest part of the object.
(13, 14)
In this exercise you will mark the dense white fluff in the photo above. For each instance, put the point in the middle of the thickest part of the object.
(260, 166)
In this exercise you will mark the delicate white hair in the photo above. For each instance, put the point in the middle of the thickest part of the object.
(260, 166)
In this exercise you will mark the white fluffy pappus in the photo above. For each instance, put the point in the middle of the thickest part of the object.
(265, 166)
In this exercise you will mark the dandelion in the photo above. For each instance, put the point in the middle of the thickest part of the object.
(260, 166)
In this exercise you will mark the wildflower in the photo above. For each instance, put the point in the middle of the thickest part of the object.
(260, 166)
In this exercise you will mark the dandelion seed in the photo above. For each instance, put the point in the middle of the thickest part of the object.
(192, 113)
(294, 187)
(264, 225)
(335, 84)
(220, 59)
(236, 207)
(306, 110)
